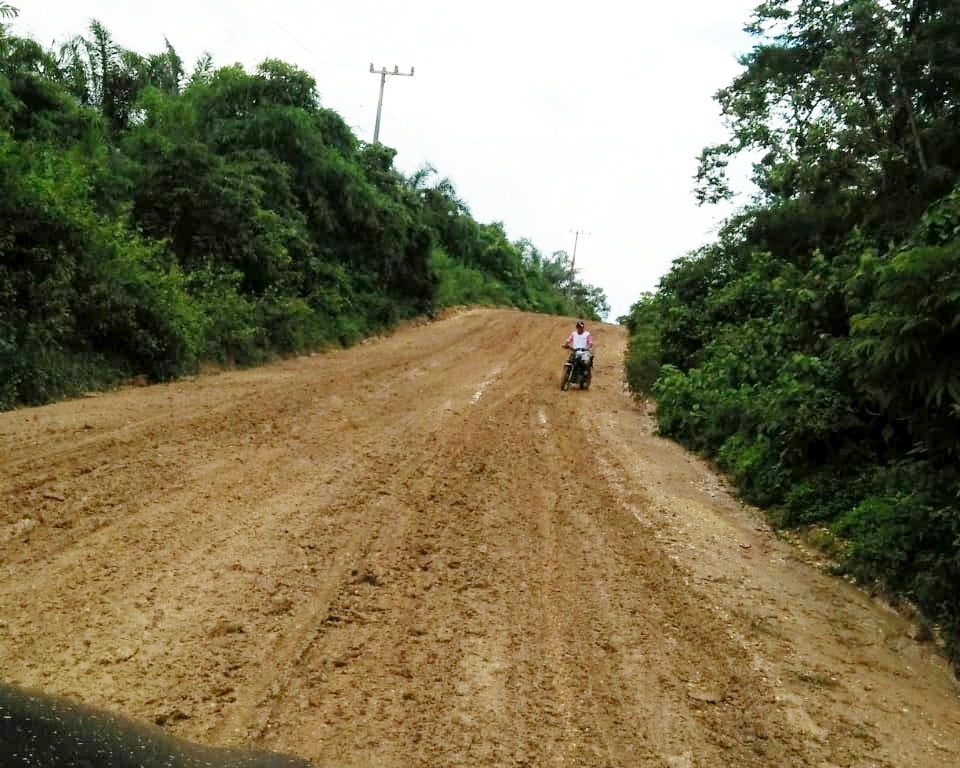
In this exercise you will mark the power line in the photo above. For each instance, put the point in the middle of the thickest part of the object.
(283, 29)
(342, 79)
(403, 130)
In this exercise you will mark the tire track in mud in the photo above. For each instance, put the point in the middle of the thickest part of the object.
(402, 624)
(258, 530)
(777, 613)
(420, 552)
(95, 447)
(520, 538)
(649, 637)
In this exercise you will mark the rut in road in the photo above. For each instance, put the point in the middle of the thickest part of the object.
(420, 552)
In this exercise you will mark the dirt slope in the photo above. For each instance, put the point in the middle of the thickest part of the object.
(420, 552)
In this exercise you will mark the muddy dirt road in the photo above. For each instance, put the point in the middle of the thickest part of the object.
(420, 552)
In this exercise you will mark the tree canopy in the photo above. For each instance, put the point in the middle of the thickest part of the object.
(813, 350)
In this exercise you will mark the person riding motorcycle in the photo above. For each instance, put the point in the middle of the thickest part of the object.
(579, 340)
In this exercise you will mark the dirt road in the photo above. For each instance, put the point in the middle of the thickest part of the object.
(420, 552)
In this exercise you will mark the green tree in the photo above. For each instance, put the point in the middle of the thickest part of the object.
(810, 350)
(103, 74)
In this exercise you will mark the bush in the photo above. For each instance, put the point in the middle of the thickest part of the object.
(461, 285)
(231, 333)
(138, 312)
(904, 534)
(642, 361)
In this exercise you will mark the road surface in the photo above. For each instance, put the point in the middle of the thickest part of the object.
(420, 552)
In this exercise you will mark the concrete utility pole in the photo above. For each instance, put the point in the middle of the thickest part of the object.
(383, 79)
(573, 261)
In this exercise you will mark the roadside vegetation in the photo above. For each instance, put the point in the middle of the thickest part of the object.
(155, 216)
(813, 350)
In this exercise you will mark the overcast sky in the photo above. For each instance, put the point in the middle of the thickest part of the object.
(550, 117)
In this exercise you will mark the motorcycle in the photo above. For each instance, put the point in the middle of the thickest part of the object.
(578, 370)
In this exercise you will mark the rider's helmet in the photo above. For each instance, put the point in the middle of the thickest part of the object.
(579, 325)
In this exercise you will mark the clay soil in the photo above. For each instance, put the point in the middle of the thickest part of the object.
(420, 552)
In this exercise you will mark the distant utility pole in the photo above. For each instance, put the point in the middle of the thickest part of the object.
(576, 233)
(383, 79)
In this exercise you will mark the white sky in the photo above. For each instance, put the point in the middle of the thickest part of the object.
(549, 117)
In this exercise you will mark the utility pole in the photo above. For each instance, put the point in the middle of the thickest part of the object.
(573, 261)
(383, 79)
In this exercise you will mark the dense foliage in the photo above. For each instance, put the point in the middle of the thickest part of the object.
(152, 219)
(813, 350)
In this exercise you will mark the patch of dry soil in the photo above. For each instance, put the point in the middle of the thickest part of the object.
(420, 552)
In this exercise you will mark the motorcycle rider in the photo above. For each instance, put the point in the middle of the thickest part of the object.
(579, 339)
